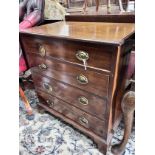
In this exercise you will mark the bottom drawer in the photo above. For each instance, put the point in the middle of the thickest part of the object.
(92, 123)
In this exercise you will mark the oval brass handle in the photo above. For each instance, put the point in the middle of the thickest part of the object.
(82, 55)
(47, 87)
(83, 100)
(50, 103)
(42, 51)
(82, 79)
(42, 66)
(83, 121)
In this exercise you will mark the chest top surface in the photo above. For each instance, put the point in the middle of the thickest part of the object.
(113, 33)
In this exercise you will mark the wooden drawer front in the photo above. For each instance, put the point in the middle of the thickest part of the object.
(97, 83)
(100, 56)
(81, 99)
(80, 117)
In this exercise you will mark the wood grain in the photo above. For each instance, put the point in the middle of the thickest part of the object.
(108, 46)
(74, 114)
(96, 106)
(97, 83)
(99, 55)
(112, 33)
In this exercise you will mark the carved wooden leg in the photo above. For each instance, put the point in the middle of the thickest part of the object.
(102, 147)
(85, 5)
(108, 7)
(25, 101)
(97, 5)
(128, 107)
(121, 6)
(127, 6)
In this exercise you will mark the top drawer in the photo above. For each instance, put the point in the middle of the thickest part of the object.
(97, 56)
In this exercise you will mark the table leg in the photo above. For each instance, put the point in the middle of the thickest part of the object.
(128, 107)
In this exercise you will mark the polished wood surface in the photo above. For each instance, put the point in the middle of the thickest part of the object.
(100, 56)
(97, 83)
(128, 108)
(74, 114)
(51, 52)
(63, 91)
(114, 33)
(96, 106)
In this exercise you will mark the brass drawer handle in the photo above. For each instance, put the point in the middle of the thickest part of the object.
(82, 79)
(83, 100)
(42, 66)
(50, 103)
(82, 55)
(42, 51)
(83, 121)
(47, 87)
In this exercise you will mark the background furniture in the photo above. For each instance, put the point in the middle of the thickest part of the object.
(112, 18)
(79, 70)
(79, 3)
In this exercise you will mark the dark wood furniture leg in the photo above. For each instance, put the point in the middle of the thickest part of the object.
(128, 107)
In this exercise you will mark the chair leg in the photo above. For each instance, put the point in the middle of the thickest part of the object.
(128, 107)
(108, 6)
(25, 101)
(121, 6)
(85, 5)
(97, 5)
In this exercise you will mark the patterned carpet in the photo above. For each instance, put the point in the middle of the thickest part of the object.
(47, 135)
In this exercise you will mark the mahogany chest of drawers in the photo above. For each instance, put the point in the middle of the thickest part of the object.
(78, 69)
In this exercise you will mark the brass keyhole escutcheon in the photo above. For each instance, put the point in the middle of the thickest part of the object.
(42, 50)
(83, 120)
(82, 79)
(42, 66)
(48, 87)
(50, 103)
(82, 55)
(83, 100)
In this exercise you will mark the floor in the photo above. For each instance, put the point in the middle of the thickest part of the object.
(47, 135)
